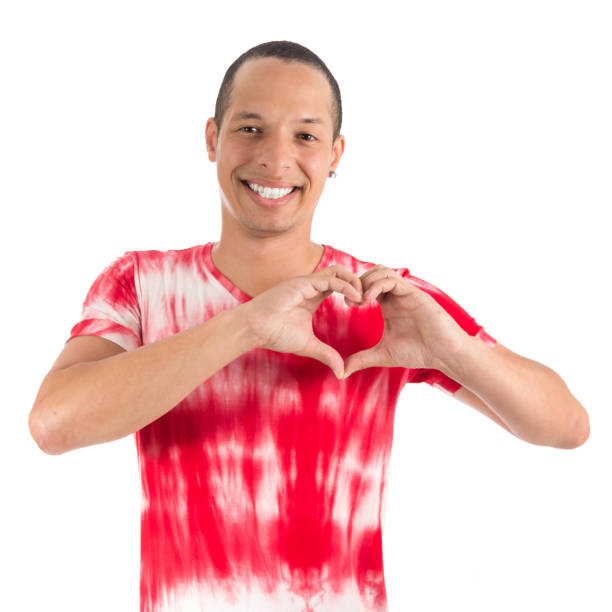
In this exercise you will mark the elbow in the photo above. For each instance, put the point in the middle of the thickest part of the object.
(578, 431)
(572, 434)
(37, 430)
(42, 432)
(582, 430)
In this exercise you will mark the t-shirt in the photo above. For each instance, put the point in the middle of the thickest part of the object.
(263, 489)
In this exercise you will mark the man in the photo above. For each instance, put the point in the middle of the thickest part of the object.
(260, 373)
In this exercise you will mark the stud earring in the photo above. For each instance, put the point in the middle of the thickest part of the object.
(332, 174)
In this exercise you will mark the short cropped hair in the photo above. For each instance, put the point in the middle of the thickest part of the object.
(288, 52)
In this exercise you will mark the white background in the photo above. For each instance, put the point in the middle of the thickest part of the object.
(477, 154)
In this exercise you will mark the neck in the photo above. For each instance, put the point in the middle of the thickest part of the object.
(255, 264)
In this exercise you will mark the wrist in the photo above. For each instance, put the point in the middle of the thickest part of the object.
(454, 364)
(240, 324)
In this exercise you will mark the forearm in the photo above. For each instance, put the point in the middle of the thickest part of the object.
(105, 400)
(529, 397)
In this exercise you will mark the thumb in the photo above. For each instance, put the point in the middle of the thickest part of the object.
(325, 354)
(368, 358)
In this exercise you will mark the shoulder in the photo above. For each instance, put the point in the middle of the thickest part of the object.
(149, 259)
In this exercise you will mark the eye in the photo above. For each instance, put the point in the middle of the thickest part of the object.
(247, 127)
(310, 138)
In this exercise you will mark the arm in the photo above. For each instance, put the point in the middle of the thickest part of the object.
(471, 399)
(109, 397)
(98, 401)
(531, 400)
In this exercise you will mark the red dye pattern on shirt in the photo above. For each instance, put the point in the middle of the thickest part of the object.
(264, 488)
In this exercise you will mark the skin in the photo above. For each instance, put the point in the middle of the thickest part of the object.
(259, 246)
(268, 253)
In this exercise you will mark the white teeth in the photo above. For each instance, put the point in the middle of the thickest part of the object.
(272, 193)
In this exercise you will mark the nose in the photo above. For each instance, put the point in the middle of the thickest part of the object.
(275, 153)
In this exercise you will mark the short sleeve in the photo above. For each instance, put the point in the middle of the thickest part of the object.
(111, 309)
(432, 377)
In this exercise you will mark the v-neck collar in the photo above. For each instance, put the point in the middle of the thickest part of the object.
(238, 293)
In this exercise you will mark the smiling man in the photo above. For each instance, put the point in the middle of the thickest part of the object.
(276, 127)
(260, 373)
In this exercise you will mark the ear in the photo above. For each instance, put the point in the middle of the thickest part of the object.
(337, 151)
(212, 137)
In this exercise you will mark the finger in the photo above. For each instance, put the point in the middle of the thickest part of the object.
(325, 283)
(368, 358)
(352, 303)
(325, 354)
(371, 271)
(368, 277)
(375, 275)
(343, 273)
(393, 285)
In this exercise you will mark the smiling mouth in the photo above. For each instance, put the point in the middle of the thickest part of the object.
(269, 193)
(270, 198)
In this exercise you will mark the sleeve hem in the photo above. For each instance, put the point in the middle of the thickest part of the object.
(485, 337)
(109, 330)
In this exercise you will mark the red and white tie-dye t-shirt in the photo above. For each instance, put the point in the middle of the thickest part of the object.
(264, 489)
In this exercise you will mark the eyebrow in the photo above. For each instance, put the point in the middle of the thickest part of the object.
(250, 115)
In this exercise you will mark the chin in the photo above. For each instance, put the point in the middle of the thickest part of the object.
(269, 228)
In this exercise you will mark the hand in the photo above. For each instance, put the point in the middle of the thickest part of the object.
(280, 319)
(418, 332)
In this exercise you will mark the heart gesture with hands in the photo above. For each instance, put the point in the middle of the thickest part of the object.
(418, 332)
(280, 319)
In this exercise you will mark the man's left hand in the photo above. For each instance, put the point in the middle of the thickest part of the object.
(418, 332)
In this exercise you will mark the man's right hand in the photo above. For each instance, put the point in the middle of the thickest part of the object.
(280, 319)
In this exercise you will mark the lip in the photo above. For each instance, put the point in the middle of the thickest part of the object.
(269, 203)
(270, 183)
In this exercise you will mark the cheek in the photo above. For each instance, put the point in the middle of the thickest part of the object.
(231, 161)
(317, 165)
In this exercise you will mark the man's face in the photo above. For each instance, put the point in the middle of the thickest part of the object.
(265, 141)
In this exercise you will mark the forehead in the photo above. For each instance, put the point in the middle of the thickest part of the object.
(268, 85)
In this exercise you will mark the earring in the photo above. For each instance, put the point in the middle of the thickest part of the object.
(332, 174)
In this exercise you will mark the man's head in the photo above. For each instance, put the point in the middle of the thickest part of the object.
(289, 52)
(277, 130)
